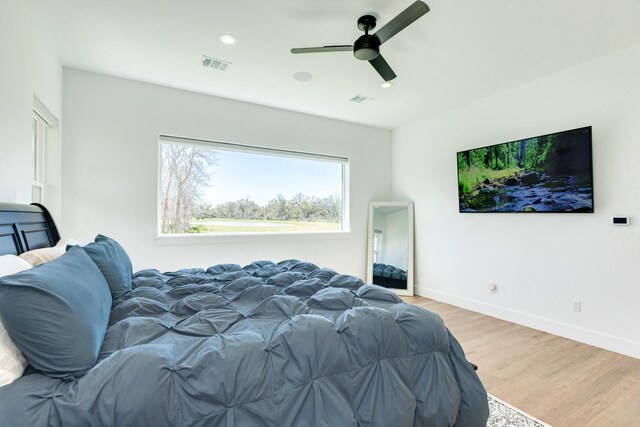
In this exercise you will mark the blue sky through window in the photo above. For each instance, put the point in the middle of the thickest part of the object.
(237, 175)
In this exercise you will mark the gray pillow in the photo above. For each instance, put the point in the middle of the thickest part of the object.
(57, 313)
(113, 262)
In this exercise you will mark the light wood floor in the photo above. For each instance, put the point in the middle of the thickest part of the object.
(560, 381)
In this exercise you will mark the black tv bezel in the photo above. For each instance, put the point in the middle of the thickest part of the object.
(536, 212)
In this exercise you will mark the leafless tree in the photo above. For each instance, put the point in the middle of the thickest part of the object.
(332, 207)
(184, 175)
(278, 208)
(306, 207)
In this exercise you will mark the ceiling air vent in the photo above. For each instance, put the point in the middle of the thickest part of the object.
(216, 64)
(359, 99)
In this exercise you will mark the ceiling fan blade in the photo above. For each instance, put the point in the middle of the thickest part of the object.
(336, 48)
(383, 68)
(402, 21)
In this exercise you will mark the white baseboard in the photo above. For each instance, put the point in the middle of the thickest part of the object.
(598, 339)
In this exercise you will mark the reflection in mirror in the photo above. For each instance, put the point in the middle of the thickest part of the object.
(390, 251)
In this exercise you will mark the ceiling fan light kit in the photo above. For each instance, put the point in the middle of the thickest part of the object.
(367, 46)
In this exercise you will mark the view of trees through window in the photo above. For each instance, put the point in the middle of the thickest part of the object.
(211, 189)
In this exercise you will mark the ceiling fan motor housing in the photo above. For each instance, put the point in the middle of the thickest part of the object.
(367, 47)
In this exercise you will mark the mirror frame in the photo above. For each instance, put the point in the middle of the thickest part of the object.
(409, 206)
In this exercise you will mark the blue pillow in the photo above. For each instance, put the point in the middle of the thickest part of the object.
(113, 262)
(57, 314)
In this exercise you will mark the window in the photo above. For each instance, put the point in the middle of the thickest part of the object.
(214, 187)
(377, 245)
(38, 139)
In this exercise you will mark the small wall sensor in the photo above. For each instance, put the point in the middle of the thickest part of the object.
(492, 288)
(621, 220)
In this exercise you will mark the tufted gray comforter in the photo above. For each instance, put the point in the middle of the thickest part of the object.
(286, 344)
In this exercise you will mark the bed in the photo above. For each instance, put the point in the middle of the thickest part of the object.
(389, 276)
(266, 344)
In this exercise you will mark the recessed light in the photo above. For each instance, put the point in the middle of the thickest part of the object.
(386, 85)
(302, 76)
(227, 39)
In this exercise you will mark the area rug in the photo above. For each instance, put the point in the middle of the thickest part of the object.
(501, 414)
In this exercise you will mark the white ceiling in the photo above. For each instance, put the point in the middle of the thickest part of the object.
(460, 51)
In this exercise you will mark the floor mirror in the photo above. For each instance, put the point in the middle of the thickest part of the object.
(390, 248)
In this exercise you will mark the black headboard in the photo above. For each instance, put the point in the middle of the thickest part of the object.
(26, 227)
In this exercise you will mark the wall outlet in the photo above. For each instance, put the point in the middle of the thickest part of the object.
(577, 306)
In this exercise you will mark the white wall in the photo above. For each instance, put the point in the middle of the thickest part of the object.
(29, 68)
(110, 169)
(395, 243)
(540, 263)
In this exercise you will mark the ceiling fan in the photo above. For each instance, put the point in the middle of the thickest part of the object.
(367, 47)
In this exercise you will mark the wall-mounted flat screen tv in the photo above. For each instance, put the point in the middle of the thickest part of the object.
(547, 173)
